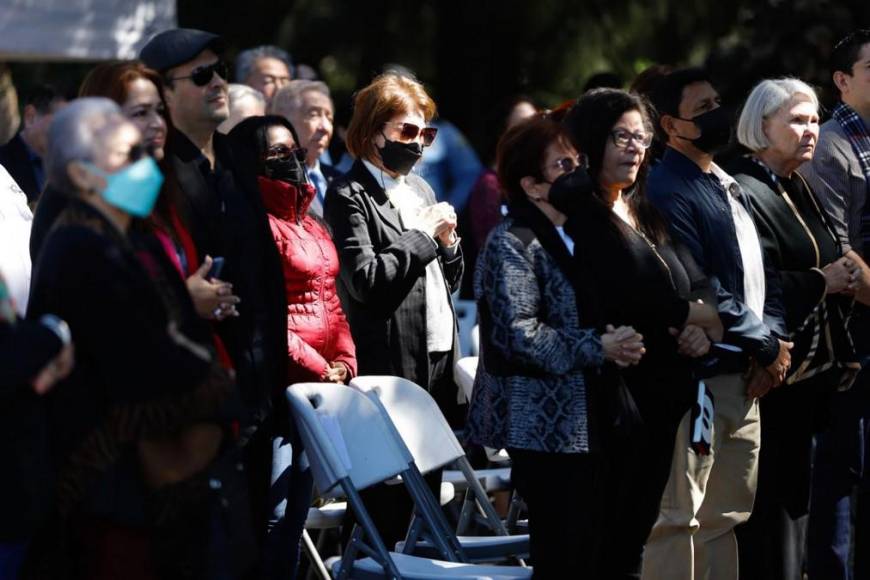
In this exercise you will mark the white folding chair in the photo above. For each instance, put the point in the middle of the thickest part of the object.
(350, 445)
(432, 444)
(466, 320)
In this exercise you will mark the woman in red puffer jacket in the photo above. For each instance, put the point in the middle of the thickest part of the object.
(269, 162)
(319, 343)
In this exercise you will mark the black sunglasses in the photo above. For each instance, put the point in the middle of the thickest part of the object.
(409, 132)
(201, 75)
(284, 152)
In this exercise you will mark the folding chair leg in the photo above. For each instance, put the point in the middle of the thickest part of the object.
(366, 524)
(314, 557)
(482, 499)
(442, 537)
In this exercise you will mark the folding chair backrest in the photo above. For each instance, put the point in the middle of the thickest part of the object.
(464, 373)
(338, 424)
(417, 418)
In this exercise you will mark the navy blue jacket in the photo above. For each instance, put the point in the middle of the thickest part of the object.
(696, 207)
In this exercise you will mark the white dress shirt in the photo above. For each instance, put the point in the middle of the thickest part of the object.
(749, 244)
(15, 221)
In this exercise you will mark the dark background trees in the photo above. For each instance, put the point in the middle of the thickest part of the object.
(473, 53)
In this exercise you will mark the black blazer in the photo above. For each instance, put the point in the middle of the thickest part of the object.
(14, 157)
(226, 218)
(383, 284)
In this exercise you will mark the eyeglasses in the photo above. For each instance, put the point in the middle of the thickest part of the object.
(201, 75)
(283, 152)
(566, 164)
(409, 132)
(621, 138)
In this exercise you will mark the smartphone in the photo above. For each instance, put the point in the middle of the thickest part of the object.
(217, 266)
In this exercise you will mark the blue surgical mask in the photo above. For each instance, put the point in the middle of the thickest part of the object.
(133, 189)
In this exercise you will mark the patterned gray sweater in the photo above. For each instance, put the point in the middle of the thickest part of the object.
(529, 392)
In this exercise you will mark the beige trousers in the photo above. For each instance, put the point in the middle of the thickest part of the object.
(706, 496)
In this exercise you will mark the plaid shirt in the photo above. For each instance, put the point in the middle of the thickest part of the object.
(859, 136)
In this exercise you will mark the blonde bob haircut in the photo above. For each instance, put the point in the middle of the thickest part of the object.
(385, 97)
(768, 97)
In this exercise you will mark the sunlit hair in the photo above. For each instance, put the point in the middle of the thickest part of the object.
(75, 134)
(768, 97)
(112, 80)
(288, 98)
(521, 152)
(388, 95)
(248, 58)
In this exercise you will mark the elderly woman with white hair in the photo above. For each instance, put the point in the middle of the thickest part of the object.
(779, 124)
(137, 428)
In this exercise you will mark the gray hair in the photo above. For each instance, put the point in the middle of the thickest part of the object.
(239, 92)
(74, 134)
(248, 58)
(289, 97)
(765, 100)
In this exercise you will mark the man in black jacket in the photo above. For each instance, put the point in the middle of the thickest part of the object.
(224, 219)
(22, 155)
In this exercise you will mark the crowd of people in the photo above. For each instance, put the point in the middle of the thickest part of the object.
(672, 306)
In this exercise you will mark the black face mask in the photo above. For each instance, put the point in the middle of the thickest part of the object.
(400, 157)
(288, 169)
(715, 129)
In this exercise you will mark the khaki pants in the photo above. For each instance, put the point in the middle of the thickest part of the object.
(706, 496)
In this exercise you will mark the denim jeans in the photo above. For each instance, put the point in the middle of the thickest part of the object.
(11, 558)
(841, 478)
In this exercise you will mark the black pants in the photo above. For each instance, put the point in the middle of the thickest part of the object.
(563, 495)
(772, 542)
(635, 473)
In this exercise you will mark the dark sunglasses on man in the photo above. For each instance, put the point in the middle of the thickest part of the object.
(409, 132)
(201, 75)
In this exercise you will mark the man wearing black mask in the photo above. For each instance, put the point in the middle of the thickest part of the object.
(707, 495)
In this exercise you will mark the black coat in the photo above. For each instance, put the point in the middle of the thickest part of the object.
(226, 218)
(118, 303)
(383, 282)
(25, 487)
(14, 157)
(797, 241)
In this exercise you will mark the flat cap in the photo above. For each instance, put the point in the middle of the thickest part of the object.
(176, 46)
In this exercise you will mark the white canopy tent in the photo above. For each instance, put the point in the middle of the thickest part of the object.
(59, 30)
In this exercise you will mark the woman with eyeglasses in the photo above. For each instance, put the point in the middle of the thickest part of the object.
(138, 428)
(543, 352)
(319, 343)
(398, 250)
(639, 277)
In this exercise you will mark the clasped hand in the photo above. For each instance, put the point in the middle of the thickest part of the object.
(623, 345)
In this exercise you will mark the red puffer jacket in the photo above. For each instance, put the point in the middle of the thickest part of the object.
(317, 330)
